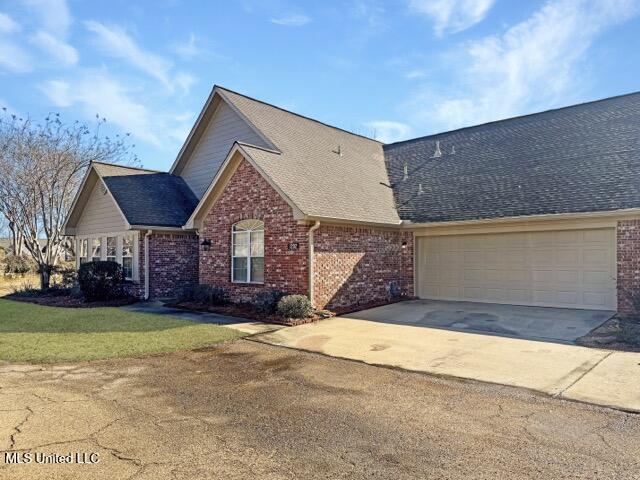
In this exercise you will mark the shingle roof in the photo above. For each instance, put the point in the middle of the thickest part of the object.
(308, 169)
(582, 158)
(147, 197)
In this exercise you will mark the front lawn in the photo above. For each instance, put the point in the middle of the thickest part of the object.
(33, 333)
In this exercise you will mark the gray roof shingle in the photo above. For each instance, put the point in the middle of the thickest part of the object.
(324, 170)
(147, 197)
(583, 158)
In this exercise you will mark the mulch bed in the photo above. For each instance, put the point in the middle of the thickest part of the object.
(246, 311)
(68, 301)
(621, 332)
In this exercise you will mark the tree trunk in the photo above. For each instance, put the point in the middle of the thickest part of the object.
(45, 276)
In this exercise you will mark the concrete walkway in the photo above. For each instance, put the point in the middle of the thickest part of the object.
(601, 377)
(241, 324)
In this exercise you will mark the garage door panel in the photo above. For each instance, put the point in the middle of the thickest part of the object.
(552, 268)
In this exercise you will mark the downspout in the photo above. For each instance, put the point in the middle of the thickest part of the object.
(146, 264)
(315, 227)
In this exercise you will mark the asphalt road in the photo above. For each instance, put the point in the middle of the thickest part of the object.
(248, 410)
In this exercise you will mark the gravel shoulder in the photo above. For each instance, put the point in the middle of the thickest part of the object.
(249, 410)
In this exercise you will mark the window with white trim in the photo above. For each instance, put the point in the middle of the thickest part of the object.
(127, 256)
(84, 250)
(247, 251)
(96, 248)
(112, 249)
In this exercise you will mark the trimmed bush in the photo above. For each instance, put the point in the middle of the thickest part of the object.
(101, 281)
(205, 294)
(267, 301)
(295, 306)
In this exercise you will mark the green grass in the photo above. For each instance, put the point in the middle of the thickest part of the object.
(36, 334)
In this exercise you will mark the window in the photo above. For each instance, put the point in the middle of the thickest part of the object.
(247, 252)
(83, 249)
(96, 250)
(112, 249)
(127, 256)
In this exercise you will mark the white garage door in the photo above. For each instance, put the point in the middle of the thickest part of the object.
(573, 268)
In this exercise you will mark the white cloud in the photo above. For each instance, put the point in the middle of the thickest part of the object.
(115, 42)
(415, 74)
(535, 64)
(57, 49)
(54, 15)
(452, 15)
(184, 82)
(14, 58)
(8, 24)
(188, 49)
(131, 110)
(97, 93)
(387, 131)
(291, 20)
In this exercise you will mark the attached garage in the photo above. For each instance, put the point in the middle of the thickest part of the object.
(568, 268)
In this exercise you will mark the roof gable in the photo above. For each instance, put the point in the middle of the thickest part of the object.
(142, 197)
(324, 171)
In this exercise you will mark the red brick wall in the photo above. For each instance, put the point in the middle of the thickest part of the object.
(248, 195)
(628, 236)
(354, 266)
(173, 263)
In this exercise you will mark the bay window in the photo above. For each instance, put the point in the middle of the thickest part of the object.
(247, 252)
(113, 247)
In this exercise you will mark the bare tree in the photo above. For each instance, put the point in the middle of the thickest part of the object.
(41, 167)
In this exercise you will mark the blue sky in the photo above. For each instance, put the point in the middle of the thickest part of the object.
(394, 70)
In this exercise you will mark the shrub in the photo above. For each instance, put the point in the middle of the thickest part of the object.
(101, 281)
(18, 265)
(267, 301)
(295, 306)
(205, 294)
(67, 272)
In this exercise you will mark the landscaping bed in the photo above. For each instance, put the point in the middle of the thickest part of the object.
(67, 300)
(621, 332)
(249, 312)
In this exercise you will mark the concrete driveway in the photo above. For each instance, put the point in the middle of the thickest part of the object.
(533, 323)
(596, 376)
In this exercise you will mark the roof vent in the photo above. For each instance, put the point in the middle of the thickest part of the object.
(438, 152)
(453, 150)
(405, 171)
(420, 191)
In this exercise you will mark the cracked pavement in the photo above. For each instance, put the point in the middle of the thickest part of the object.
(250, 410)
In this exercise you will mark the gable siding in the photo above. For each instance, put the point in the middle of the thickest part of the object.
(100, 214)
(225, 128)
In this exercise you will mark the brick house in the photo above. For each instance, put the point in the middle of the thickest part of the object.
(542, 210)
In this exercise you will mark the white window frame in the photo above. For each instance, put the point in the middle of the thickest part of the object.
(91, 248)
(248, 278)
(103, 248)
(82, 243)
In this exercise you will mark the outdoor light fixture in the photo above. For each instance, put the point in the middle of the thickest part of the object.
(206, 244)
(404, 245)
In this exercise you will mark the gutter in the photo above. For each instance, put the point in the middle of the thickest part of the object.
(146, 264)
(633, 212)
(313, 228)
